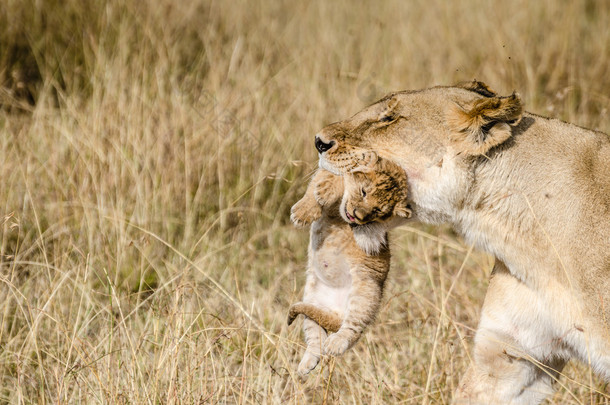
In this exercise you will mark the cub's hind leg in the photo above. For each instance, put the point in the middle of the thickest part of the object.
(315, 336)
(327, 319)
(316, 291)
(363, 305)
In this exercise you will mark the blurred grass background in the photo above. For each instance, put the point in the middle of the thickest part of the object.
(150, 153)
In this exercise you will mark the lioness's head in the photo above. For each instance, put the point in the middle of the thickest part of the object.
(374, 193)
(430, 133)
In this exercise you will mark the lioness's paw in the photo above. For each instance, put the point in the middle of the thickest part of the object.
(303, 214)
(336, 345)
(308, 363)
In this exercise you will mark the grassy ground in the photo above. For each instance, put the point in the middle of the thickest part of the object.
(150, 153)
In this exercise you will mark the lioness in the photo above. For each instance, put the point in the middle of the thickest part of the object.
(345, 280)
(532, 191)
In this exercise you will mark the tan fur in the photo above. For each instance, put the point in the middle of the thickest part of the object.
(486, 123)
(375, 192)
(478, 87)
(344, 283)
(330, 321)
(532, 191)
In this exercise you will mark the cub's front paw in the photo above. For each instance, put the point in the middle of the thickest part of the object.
(328, 191)
(303, 214)
(336, 344)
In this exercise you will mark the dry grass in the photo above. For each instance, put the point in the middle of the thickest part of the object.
(150, 155)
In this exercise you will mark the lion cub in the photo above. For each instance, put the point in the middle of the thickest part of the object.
(349, 257)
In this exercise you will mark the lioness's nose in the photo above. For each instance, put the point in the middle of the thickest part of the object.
(322, 146)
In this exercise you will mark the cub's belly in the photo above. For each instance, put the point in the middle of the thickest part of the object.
(331, 268)
(333, 298)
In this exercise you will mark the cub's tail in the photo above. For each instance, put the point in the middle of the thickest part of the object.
(326, 319)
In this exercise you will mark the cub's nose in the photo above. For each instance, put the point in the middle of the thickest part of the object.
(359, 215)
(322, 146)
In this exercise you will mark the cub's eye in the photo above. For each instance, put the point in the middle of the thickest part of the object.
(376, 210)
(363, 192)
(387, 118)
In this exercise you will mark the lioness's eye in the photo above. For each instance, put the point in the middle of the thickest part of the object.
(387, 118)
(363, 192)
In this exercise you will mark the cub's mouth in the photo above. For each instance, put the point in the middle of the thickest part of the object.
(353, 221)
(349, 217)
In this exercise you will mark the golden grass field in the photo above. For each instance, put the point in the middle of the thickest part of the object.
(150, 154)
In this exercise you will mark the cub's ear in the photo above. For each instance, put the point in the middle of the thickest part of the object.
(367, 162)
(478, 87)
(369, 158)
(402, 210)
(485, 124)
(358, 176)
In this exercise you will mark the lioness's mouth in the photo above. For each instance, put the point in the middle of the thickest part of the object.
(324, 164)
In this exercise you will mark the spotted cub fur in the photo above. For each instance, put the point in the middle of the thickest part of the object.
(349, 256)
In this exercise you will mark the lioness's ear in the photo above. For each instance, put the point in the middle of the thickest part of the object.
(478, 87)
(487, 123)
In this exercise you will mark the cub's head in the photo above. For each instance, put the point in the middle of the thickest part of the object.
(374, 193)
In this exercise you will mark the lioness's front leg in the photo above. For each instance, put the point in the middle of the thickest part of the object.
(503, 371)
(362, 308)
